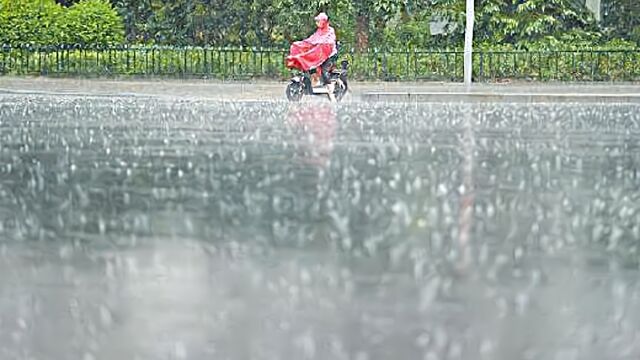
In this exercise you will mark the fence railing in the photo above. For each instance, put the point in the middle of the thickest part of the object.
(372, 64)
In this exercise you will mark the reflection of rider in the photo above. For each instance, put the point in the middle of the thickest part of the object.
(318, 124)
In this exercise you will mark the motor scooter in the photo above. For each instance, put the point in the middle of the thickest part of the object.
(301, 84)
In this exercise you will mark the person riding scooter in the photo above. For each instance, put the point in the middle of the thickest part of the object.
(318, 51)
(315, 57)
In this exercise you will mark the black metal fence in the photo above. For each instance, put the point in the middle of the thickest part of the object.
(373, 64)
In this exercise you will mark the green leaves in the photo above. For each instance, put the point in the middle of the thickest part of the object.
(93, 22)
(621, 19)
(30, 22)
(519, 22)
(366, 23)
(43, 22)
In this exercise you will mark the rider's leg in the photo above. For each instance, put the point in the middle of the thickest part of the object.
(314, 76)
(326, 70)
(326, 76)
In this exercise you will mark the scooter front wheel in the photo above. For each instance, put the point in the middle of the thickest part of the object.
(294, 91)
(340, 90)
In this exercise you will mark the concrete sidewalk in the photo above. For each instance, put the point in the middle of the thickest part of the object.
(367, 91)
(515, 92)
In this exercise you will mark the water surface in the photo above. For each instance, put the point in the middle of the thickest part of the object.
(141, 228)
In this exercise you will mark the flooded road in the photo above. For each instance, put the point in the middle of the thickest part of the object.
(147, 228)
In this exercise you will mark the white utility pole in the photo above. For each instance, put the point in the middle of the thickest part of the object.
(594, 6)
(468, 43)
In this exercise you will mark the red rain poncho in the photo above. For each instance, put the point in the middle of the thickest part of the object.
(310, 53)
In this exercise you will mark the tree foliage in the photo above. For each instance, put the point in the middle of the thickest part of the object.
(524, 24)
(621, 19)
(93, 22)
(45, 22)
(521, 23)
(28, 21)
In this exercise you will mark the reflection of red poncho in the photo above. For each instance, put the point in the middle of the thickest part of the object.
(319, 124)
(313, 51)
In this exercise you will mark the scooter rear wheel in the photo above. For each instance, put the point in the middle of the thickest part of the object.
(294, 91)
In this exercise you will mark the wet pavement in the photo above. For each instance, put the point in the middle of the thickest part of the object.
(371, 91)
(152, 228)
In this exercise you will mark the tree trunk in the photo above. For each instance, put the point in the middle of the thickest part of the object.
(362, 32)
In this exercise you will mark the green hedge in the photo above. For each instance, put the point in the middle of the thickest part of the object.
(43, 22)
(93, 22)
(587, 65)
(388, 65)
